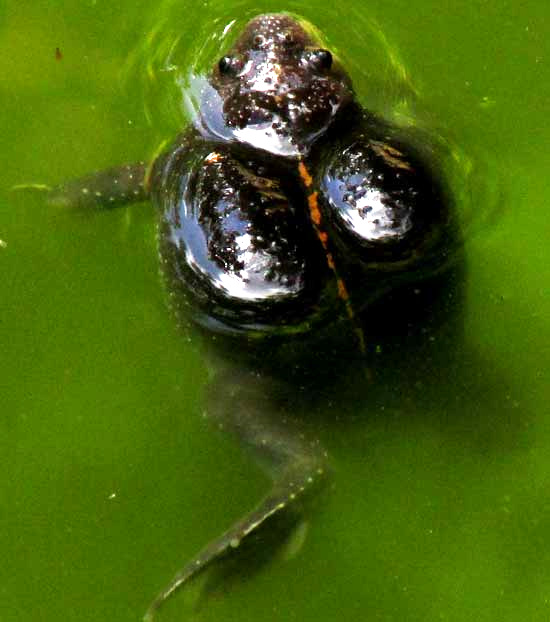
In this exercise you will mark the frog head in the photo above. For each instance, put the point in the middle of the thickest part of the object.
(276, 89)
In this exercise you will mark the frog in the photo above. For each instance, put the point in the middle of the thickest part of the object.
(285, 211)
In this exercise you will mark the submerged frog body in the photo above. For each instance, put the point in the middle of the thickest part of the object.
(285, 210)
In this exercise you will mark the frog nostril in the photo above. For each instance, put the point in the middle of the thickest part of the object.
(259, 40)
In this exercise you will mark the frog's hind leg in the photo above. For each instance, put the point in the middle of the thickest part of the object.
(242, 406)
(112, 187)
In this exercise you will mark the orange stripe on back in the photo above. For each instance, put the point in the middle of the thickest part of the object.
(316, 218)
(304, 174)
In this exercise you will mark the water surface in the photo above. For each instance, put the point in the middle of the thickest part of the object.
(440, 505)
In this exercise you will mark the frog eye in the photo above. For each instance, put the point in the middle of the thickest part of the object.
(322, 59)
(318, 59)
(230, 65)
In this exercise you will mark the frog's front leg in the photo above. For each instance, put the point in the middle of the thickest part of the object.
(112, 187)
(241, 403)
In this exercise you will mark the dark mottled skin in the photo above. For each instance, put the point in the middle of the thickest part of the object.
(279, 142)
(273, 89)
(231, 197)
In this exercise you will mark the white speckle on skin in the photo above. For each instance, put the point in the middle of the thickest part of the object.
(98, 194)
(3, 244)
(85, 190)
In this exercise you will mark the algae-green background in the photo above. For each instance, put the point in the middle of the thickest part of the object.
(440, 506)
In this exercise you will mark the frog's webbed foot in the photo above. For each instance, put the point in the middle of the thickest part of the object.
(112, 187)
(297, 465)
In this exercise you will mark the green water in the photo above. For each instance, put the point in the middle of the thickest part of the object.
(440, 504)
